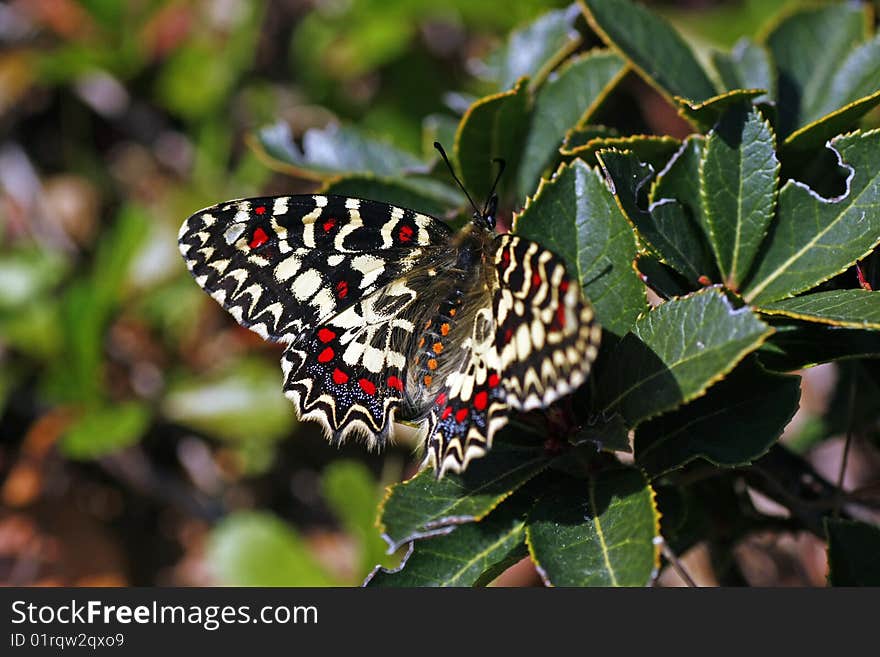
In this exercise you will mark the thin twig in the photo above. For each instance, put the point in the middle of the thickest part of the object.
(677, 566)
(846, 445)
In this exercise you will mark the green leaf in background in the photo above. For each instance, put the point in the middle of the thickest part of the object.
(251, 548)
(493, 127)
(244, 404)
(738, 179)
(105, 429)
(815, 135)
(583, 135)
(568, 99)
(808, 46)
(850, 308)
(796, 345)
(471, 555)
(665, 226)
(353, 494)
(676, 352)
(533, 50)
(423, 506)
(705, 114)
(812, 238)
(652, 46)
(655, 150)
(609, 434)
(747, 66)
(596, 532)
(575, 215)
(438, 127)
(853, 553)
(26, 274)
(734, 423)
(331, 151)
(422, 194)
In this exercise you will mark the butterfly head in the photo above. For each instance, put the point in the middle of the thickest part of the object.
(482, 218)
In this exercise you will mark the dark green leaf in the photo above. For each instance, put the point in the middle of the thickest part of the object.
(661, 278)
(421, 194)
(853, 553)
(735, 422)
(812, 238)
(676, 352)
(705, 114)
(652, 46)
(565, 101)
(331, 151)
(532, 51)
(250, 548)
(575, 215)
(472, 554)
(105, 429)
(808, 46)
(747, 66)
(424, 506)
(738, 178)
(655, 150)
(666, 226)
(493, 127)
(796, 345)
(581, 136)
(596, 532)
(815, 135)
(851, 308)
(606, 433)
(438, 127)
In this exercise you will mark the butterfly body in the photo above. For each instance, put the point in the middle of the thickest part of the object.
(389, 315)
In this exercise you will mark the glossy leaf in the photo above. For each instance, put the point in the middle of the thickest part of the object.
(576, 216)
(853, 549)
(808, 46)
(331, 151)
(675, 352)
(813, 238)
(735, 422)
(423, 506)
(850, 308)
(661, 278)
(665, 225)
(596, 532)
(747, 66)
(105, 429)
(493, 127)
(652, 46)
(705, 114)
(471, 555)
(796, 345)
(565, 101)
(655, 150)
(738, 179)
(814, 135)
(533, 50)
(251, 548)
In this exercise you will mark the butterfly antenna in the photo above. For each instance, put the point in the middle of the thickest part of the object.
(501, 164)
(454, 177)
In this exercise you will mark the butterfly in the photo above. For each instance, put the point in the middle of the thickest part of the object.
(387, 314)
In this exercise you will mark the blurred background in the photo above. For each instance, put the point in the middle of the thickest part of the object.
(144, 437)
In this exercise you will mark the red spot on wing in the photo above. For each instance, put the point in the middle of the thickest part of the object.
(441, 399)
(339, 377)
(508, 334)
(505, 257)
(480, 400)
(258, 238)
(536, 279)
(325, 356)
(405, 234)
(260, 209)
(563, 286)
(560, 316)
(328, 225)
(325, 335)
(342, 289)
(446, 412)
(461, 415)
(367, 386)
(394, 382)
(494, 380)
